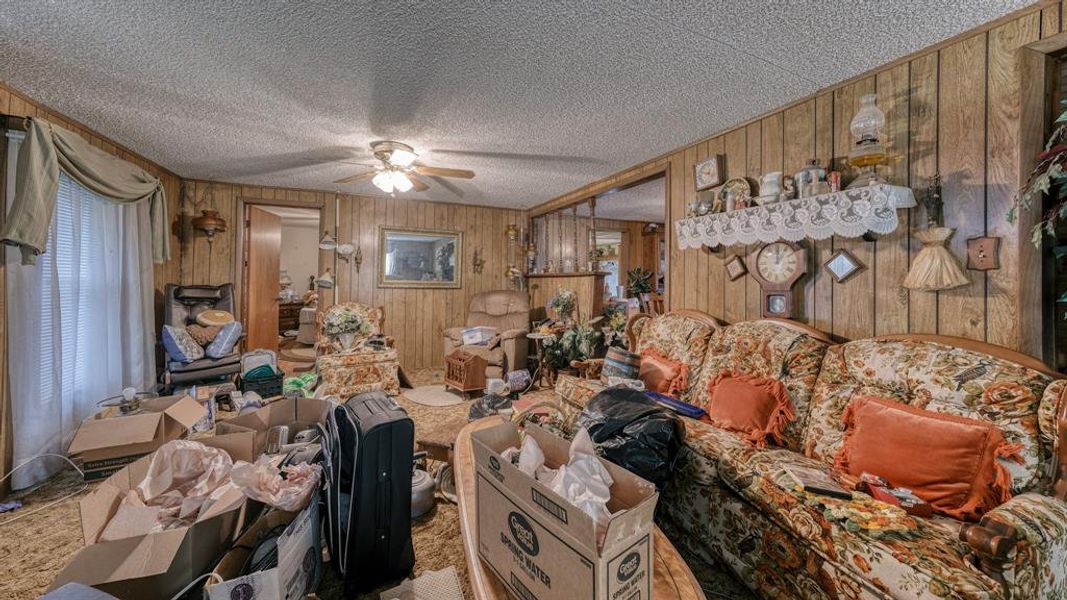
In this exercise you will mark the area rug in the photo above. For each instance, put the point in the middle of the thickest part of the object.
(292, 351)
(433, 395)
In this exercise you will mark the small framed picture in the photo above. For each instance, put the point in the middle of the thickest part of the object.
(842, 265)
(735, 267)
(709, 173)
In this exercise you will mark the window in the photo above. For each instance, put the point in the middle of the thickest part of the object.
(81, 322)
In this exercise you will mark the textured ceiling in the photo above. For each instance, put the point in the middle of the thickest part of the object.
(645, 202)
(537, 98)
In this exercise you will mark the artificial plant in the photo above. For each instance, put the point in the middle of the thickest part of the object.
(577, 342)
(1048, 172)
(638, 281)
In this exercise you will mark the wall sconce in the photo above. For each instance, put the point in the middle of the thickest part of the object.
(477, 263)
(327, 242)
(357, 259)
(210, 223)
(512, 232)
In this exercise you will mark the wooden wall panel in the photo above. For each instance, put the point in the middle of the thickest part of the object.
(952, 109)
(415, 317)
(961, 162)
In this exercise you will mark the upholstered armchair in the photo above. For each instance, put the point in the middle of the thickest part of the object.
(506, 311)
(354, 368)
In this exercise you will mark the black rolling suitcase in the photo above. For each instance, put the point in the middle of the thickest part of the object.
(369, 442)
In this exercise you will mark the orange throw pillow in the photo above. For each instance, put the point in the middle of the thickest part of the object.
(947, 460)
(759, 407)
(663, 375)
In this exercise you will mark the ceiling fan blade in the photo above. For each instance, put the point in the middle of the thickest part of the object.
(443, 172)
(417, 183)
(358, 177)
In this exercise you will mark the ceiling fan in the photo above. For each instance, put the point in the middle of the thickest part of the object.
(399, 171)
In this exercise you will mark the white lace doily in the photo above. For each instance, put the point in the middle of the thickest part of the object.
(848, 213)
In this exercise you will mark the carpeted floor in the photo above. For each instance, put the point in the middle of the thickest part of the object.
(35, 548)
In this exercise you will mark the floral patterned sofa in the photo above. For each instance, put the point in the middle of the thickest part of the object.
(731, 503)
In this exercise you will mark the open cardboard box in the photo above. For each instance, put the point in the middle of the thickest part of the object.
(108, 439)
(296, 413)
(155, 565)
(299, 567)
(540, 545)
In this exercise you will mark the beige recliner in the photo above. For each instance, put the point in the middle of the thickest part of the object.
(506, 311)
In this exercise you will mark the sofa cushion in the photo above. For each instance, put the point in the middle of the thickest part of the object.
(680, 338)
(767, 349)
(948, 461)
(934, 377)
(757, 407)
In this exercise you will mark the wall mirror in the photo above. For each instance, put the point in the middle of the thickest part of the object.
(420, 258)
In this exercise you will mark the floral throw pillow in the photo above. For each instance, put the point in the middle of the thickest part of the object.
(180, 346)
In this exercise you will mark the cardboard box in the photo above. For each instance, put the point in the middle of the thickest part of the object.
(107, 438)
(299, 567)
(155, 565)
(544, 548)
(296, 413)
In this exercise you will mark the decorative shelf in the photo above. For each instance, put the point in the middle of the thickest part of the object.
(848, 213)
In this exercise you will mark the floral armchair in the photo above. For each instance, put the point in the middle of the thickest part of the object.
(349, 367)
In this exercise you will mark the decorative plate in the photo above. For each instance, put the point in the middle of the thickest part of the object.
(736, 192)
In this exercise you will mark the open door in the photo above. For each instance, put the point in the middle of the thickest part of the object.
(262, 268)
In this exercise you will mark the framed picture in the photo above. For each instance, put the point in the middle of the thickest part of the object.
(420, 258)
(735, 267)
(709, 172)
(842, 265)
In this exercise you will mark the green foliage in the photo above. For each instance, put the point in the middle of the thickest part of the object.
(1048, 173)
(638, 281)
(577, 342)
(615, 327)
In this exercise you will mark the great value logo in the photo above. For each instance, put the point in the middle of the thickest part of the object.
(523, 533)
(628, 567)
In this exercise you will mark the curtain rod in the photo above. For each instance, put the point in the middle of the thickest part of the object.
(14, 122)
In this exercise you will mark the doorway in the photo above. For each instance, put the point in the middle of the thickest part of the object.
(629, 222)
(280, 269)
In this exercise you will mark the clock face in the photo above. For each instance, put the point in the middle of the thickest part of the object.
(777, 262)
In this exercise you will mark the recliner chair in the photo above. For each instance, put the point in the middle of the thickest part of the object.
(181, 305)
(508, 312)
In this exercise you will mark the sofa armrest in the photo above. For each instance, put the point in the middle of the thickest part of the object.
(634, 326)
(589, 368)
(1033, 524)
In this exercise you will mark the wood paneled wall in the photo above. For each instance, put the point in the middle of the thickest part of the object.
(417, 318)
(953, 109)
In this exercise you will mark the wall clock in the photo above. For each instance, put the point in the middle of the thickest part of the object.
(777, 266)
(709, 172)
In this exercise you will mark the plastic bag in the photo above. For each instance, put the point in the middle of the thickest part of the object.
(634, 432)
(584, 481)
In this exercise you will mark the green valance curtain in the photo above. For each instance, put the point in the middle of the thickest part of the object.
(49, 148)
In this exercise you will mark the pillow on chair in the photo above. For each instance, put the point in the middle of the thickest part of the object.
(202, 335)
(224, 342)
(180, 346)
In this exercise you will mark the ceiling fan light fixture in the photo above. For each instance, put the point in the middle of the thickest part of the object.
(400, 181)
(402, 158)
(383, 181)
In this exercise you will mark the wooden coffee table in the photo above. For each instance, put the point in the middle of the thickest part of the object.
(672, 579)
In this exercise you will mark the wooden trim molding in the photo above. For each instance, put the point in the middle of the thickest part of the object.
(976, 346)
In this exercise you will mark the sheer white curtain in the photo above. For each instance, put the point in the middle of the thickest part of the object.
(80, 322)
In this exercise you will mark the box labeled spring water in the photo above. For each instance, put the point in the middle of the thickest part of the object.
(544, 548)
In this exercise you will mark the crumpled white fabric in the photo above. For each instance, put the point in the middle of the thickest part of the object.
(583, 481)
(262, 481)
(183, 480)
